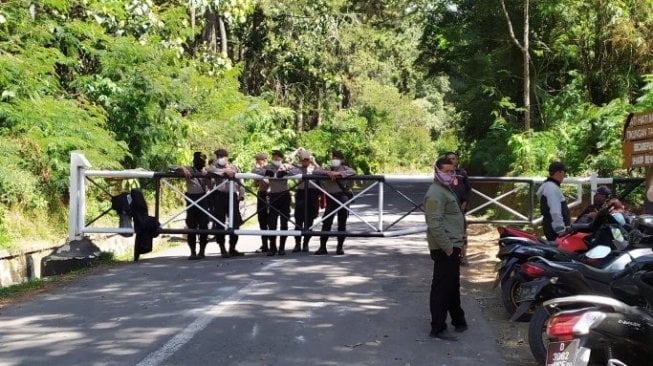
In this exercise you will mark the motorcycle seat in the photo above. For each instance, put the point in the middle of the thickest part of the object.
(595, 274)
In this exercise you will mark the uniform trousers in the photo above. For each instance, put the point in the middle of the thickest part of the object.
(196, 219)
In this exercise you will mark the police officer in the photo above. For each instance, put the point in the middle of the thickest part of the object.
(223, 172)
(262, 200)
(307, 199)
(340, 192)
(280, 200)
(195, 217)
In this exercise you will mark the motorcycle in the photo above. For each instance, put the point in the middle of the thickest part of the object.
(597, 330)
(603, 230)
(560, 279)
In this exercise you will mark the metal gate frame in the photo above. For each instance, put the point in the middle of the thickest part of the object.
(80, 174)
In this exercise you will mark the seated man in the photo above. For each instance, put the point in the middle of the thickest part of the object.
(601, 195)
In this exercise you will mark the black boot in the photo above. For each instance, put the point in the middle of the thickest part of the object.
(322, 249)
(193, 255)
(297, 245)
(202, 250)
(223, 251)
(339, 250)
(305, 245)
(273, 248)
(233, 252)
(282, 247)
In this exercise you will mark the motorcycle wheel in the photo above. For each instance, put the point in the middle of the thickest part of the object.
(537, 340)
(510, 289)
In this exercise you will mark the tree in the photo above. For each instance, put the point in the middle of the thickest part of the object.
(524, 48)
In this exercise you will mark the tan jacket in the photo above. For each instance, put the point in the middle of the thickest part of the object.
(444, 220)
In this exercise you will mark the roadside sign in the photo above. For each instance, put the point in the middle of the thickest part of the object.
(638, 140)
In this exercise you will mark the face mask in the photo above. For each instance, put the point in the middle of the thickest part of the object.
(335, 163)
(222, 161)
(276, 163)
(443, 178)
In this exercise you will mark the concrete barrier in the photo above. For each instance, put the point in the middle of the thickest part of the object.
(21, 265)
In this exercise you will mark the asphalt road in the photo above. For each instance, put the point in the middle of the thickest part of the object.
(368, 307)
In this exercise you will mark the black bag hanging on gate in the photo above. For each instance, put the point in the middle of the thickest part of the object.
(145, 226)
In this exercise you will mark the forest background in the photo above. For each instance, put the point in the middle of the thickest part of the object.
(392, 83)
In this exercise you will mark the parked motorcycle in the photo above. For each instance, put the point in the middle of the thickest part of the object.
(597, 330)
(602, 231)
(560, 279)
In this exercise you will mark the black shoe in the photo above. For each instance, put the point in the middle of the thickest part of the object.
(282, 252)
(193, 257)
(235, 253)
(271, 253)
(297, 249)
(321, 251)
(225, 255)
(305, 248)
(460, 328)
(443, 335)
(340, 252)
(262, 250)
(201, 256)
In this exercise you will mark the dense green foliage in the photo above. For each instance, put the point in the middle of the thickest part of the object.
(392, 83)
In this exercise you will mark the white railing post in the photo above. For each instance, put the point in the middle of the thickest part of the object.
(593, 186)
(77, 194)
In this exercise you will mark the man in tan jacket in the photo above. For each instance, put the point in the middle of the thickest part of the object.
(445, 232)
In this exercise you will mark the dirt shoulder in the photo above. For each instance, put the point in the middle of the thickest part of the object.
(477, 280)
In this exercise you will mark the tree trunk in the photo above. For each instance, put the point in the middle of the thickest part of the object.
(524, 48)
(300, 115)
(223, 37)
(209, 35)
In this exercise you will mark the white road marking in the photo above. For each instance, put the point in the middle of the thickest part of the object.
(200, 323)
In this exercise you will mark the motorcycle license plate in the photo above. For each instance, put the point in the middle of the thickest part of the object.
(562, 353)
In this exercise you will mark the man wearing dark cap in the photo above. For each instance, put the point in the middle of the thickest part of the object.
(601, 195)
(553, 205)
(225, 171)
(262, 200)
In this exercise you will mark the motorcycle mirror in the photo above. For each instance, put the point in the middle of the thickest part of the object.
(598, 252)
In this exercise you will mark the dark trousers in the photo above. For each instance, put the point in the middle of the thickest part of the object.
(549, 233)
(196, 219)
(445, 290)
(279, 211)
(342, 215)
(221, 207)
(307, 206)
(262, 214)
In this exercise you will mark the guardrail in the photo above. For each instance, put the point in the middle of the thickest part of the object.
(374, 189)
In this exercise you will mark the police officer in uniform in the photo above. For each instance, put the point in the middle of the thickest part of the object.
(196, 218)
(307, 199)
(280, 200)
(341, 192)
(224, 171)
